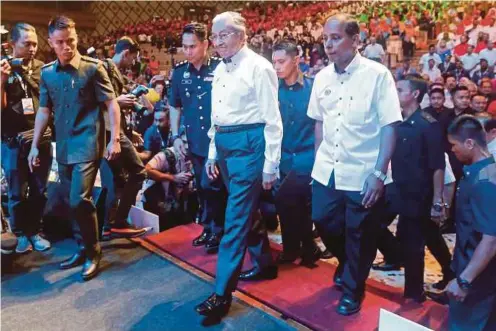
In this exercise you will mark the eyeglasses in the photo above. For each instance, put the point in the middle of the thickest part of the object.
(221, 37)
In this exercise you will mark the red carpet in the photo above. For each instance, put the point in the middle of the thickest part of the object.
(306, 295)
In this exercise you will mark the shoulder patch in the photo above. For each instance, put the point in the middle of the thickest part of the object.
(90, 59)
(215, 58)
(428, 117)
(488, 173)
(180, 64)
(48, 65)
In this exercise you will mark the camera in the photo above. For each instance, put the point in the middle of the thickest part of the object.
(137, 92)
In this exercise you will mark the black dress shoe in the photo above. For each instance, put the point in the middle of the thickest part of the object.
(384, 266)
(213, 243)
(90, 266)
(309, 259)
(286, 258)
(348, 306)
(255, 274)
(441, 297)
(215, 306)
(326, 255)
(75, 260)
(202, 239)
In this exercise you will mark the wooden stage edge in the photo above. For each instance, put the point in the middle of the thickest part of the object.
(246, 299)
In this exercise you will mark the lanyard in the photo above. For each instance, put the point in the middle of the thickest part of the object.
(23, 85)
(162, 142)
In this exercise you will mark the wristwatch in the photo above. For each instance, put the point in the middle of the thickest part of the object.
(382, 177)
(463, 283)
(438, 206)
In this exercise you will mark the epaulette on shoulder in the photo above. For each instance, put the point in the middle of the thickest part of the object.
(428, 117)
(488, 173)
(180, 64)
(215, 58)
(90, 59)
(48, 65)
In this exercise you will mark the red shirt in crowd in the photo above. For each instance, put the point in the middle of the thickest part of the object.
(460, 49)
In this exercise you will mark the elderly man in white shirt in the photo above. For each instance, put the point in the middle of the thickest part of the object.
(489, 54)
(374, 51)
(355, 104)
(432, 71)
(424, 59)
(246, 136)
(470, 60)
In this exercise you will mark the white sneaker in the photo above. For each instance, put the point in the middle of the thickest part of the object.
(40, 244)
(23, 245)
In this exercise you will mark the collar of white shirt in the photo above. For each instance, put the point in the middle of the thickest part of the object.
(235, 60)
(350, 68)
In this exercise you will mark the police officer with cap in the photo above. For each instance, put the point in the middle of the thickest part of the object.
(190, 97)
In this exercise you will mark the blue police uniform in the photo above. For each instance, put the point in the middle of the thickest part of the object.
(475, 216)
(74, 93)
(190, 89)
(293, 191)
(418, 154)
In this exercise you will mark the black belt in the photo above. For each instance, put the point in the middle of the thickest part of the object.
(237, 128)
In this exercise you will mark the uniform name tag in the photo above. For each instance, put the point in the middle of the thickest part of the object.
(186, 81)
(208, 79)
(28, 106)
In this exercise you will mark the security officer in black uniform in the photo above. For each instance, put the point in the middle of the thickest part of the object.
(74, 88)
(190, 96)
(418, 165)
(20, 95)
(473, 293)
(122, 191)
(293, 192)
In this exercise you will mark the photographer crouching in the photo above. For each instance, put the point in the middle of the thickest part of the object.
(122, 191)
(20, 97)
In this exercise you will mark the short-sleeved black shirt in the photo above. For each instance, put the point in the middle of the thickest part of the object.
(75, 94)
(13, 118)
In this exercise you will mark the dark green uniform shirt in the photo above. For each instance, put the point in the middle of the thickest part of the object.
(74, 93)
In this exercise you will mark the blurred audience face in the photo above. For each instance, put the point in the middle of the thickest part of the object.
(439, 80)
(479, 103)
(339, 47)
(284, 64)
(437, 100)
(461, 99)
(194, 49)
(159, 88)
(161, 120)
(64, 43)
(486, 87)
(26, 46)
(472, 88)
(226, 39)
(483, 64)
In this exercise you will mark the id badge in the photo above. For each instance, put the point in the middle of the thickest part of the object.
(27, 106)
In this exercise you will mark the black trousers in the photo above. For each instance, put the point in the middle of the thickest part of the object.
(212, 196)
(348, 230)
(293, 195)
(122, 178)
(77, 181)
(387, 243)
(27, 190)
(414, 234)
(408, 49)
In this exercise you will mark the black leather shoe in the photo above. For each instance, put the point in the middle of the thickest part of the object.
(90, 266)
(75, 260)
(441, 285)
(441, 298)
(338, 281)
(309, 259)
(214, 306)
(213, 242)
(286, 258)
(418, 298)
(384, 266)
(202, 239)
(348, 306)
(326, 255)
(267, 273)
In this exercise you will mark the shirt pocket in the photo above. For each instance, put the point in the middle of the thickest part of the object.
(358, 108)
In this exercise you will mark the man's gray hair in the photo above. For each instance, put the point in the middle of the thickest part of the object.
(239, 22)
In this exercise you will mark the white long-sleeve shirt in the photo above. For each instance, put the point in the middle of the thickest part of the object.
(245, 91)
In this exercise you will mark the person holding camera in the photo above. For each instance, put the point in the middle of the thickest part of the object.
(121, 193)
(76, 89)
(20, 97)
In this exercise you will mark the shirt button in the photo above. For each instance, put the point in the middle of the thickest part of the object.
(198, 77)
(187, 126)
(199, 87)
(337, 145)
(67, 122)
(292, 122)
(200, 107)
(291, 89)
(337, 161)
(201, 117)
(337, 129)
(66, 106)
(339, 114)
(342, 83)
(203, 128)
(340, 98)
(294, 154)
